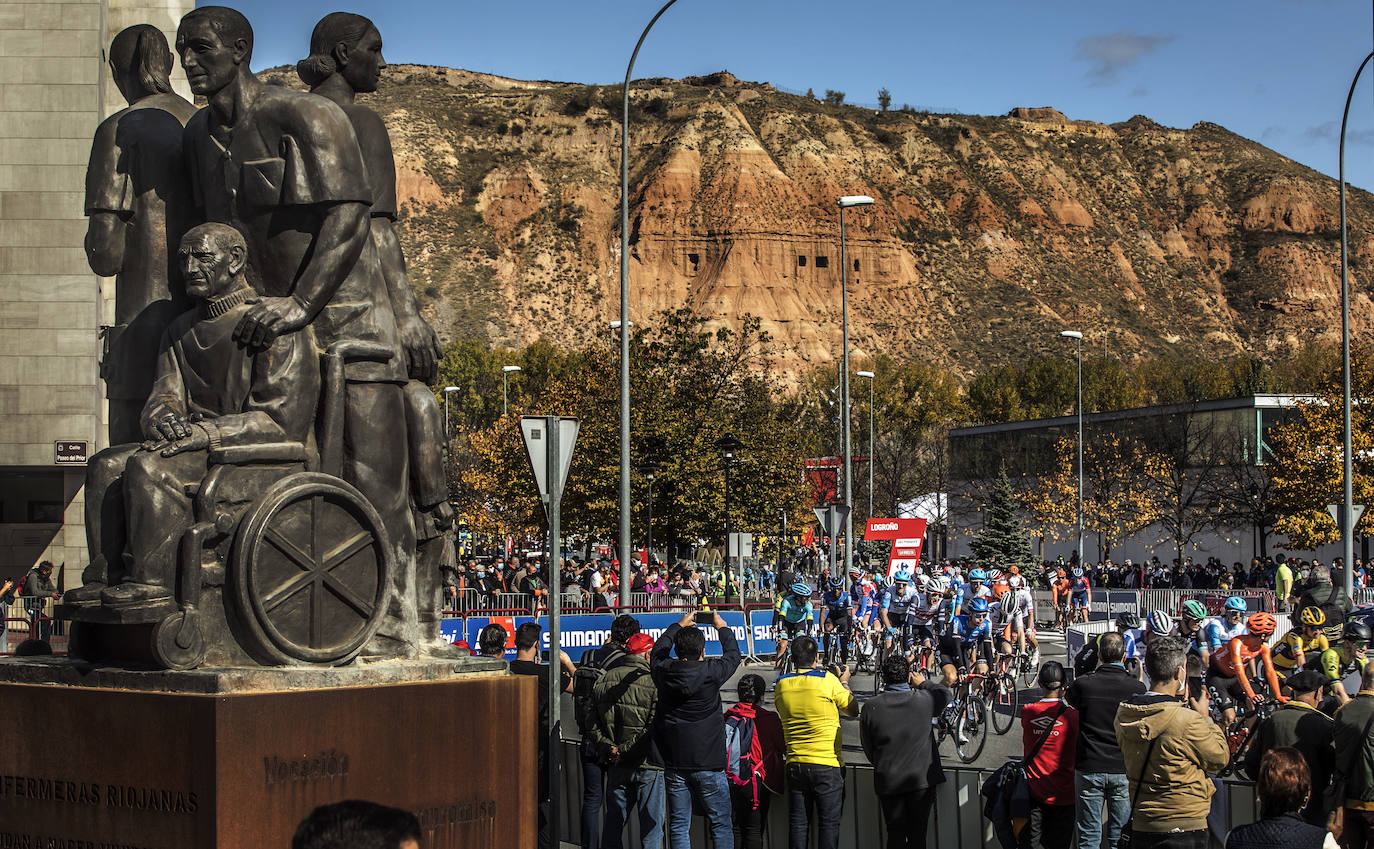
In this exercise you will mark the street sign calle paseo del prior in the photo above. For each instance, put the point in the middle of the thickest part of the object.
(70, 452)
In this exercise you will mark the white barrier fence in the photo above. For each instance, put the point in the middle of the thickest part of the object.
(956, 822)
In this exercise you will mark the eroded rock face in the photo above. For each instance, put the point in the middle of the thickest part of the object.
(988, 236)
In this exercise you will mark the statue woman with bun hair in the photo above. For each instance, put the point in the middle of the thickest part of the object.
(345, 59)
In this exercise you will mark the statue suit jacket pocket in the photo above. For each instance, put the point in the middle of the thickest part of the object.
(261, 181)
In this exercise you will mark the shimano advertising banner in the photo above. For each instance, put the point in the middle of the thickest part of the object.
(582, 632)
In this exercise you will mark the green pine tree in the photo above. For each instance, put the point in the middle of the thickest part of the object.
(1002, 536)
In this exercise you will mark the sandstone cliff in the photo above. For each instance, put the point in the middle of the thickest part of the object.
(989, 234)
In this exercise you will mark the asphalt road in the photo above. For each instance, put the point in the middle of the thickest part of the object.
(995, 752)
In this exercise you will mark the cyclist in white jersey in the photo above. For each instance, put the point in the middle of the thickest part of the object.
(1019, 617)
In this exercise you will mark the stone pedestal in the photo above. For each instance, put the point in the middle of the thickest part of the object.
(228, 759)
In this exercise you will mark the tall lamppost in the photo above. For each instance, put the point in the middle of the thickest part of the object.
(625, 313)
(869, 375)
(649, 470)
(447, 390)
(1075, 334)
(506, 371)
(844, 203)
(1347, 529)
(727, 447)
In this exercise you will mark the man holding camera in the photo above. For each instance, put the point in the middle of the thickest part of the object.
(809, 702)
(689, 726)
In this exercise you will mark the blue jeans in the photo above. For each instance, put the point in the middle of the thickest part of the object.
(711, 792)
(593, 789)
(626, 788)
(1094, 789)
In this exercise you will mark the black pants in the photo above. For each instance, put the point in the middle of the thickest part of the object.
(906, 817)
(1169, 839)
(750, 822)
(814, 791)
(1050, 827)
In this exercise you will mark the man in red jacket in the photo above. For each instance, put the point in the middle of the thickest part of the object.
(1049, 732)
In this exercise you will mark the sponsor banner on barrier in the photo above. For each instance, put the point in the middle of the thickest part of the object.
(581, 632)
(1106, 604)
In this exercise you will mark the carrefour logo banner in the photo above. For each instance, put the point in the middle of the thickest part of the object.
(579, 633)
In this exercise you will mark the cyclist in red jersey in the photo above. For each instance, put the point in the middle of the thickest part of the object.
(1228, 674)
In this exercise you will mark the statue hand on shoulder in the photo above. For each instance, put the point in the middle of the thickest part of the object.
(421, 347)
(269, 318)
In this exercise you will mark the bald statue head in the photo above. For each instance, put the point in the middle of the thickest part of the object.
(141, 62)
(212, 258)
(215, 44)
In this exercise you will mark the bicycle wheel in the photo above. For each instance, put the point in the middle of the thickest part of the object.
(1030, 676)
(971, 728)
(879, 655)
(1004, 708)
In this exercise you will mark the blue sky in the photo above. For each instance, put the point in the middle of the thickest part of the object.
(1276, 71)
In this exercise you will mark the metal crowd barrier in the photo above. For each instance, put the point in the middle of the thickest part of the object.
(956, 821)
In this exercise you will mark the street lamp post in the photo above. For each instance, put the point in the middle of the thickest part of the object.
(1347, 529)
(844, 203)
(506, 371)
(649, 470)
(1075, 334)
(447, 390)
(625, 312)
(869, 375)
(727, 447)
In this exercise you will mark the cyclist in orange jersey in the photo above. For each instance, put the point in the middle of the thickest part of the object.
(1227, 673)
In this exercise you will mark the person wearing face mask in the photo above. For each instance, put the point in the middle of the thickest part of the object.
(1169, 746)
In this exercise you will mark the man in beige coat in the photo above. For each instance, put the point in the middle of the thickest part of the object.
(1169, 745)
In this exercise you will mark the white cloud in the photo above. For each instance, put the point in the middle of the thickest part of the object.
(1107, 55)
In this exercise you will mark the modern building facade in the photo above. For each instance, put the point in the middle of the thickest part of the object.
(55, 88)
(1228, 431)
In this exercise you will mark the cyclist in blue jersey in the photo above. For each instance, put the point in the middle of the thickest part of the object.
(794, 616)
(894, 608)
(1218, 631)
(837, 619)
(967, 635)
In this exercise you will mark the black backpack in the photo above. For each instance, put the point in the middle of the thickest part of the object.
(585, 677)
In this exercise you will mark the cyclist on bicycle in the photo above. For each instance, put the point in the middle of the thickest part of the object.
(837, 617)
(1190, 628)
(1338, 662)
(978, 585)
(1220, 630)
(1018, 614)
(967, 635)
(895, 605)
(923, 617)
(1304, 642)
(1080, 590)
(861, 592)
(1059, 595)
(1227, 672)
(794, 616)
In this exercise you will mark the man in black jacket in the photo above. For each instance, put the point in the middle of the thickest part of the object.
(1300, 725)
(1101, 772)
(690, 728)
(896, 733)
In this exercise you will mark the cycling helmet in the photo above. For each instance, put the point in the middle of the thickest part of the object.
(1127, 620)
(1236, 603)
(1014, 569)
(1159, 622)
(1193, 609)
(1261, 624)
(977, 575)
(902, 576)
(1015, 582)
(1077, 572)
(837, 583)
(801, 588)
(1356, 630)
(1060, 573)
(978, 605)
(1313, 616)
(995, 575)
(856, 573)
(930, 585)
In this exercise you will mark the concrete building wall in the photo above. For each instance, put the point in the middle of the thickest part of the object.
(54, 90)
